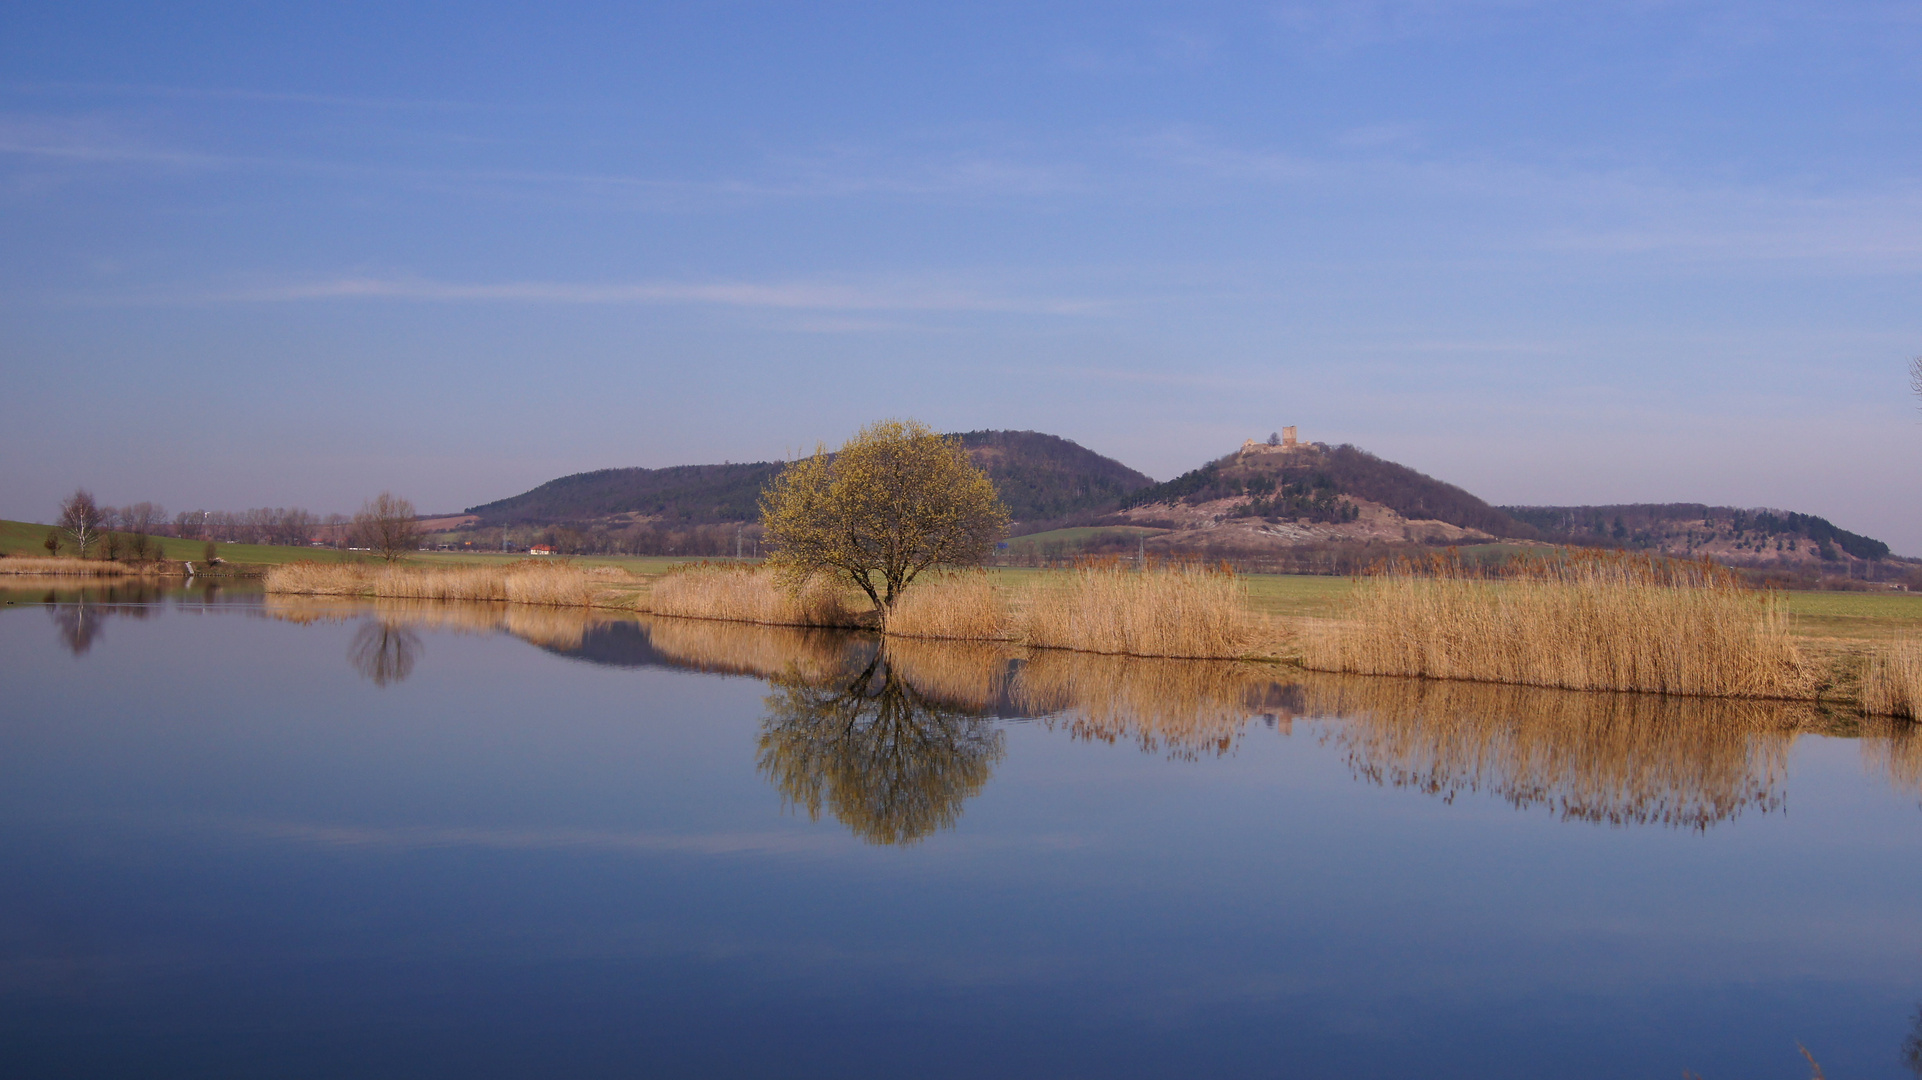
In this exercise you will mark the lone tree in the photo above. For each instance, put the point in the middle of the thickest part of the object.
(386, 524)
(893, 501)
(80, 519)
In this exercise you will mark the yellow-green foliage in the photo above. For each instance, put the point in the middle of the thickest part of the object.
(1892, 686)
(1182, 610)
(957, 607)
(895, 501)
(1585, 621)
(749, 594)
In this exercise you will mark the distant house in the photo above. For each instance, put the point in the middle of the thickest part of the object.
(540, 549)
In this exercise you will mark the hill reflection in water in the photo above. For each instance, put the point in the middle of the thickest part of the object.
(892, 738)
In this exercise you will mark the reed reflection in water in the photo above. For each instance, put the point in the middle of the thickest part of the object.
(1615, 758)
(893, 737)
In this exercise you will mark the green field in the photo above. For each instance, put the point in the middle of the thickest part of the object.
(1072, 540)
(25, 538)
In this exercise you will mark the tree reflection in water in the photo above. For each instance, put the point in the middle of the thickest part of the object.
(384, 652)
(80, 615)
(891, 763)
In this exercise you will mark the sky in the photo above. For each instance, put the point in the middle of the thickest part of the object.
(284, 254)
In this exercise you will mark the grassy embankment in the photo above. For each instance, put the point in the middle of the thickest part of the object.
(1847, 645)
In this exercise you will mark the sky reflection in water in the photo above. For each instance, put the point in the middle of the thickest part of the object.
(255, 835)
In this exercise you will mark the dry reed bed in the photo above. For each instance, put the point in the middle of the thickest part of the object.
(748, 594)
(1177, 611)
(1892, 683)
(1591, 621)
(527, 582)
(78, 567)
(952, 607)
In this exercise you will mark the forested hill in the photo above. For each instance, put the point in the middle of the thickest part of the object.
(1040, 477)
(686, 494)
(1304, 484)
(1660, 525)
(1045, 477)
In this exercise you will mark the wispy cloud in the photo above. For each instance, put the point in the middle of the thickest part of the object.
(791, 295)
(219, 93)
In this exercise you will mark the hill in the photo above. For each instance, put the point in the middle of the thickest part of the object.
(1313, 484)
(1040, 477)
(1739, 537)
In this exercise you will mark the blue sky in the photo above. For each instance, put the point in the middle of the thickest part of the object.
(1555, 253)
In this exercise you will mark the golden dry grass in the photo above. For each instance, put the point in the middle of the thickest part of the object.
(748, 594)
(1181, 610)
(953, 607)
(1892, 684)
(1591, 621)
(526, 582)
(74, 567)
(1616, 758)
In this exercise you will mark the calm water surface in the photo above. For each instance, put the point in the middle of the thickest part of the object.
(258, 837)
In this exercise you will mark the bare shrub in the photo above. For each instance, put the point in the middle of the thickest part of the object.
(1892, 685)
(955, 607)
(748, 594)
(1583, 621)
(1180, 610)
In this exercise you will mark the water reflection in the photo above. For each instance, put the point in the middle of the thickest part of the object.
(891, 740)
(1620, 759)
(81, 608)
(384, 652)
(890, 762)
(1892, 749)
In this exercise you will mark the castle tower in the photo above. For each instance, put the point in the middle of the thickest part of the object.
(1288, 438)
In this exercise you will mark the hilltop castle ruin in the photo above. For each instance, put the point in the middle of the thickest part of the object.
(1287, 443)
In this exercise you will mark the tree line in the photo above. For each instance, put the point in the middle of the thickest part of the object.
(85, 527)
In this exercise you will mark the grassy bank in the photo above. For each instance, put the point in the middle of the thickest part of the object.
(529, 581)
(58, 567)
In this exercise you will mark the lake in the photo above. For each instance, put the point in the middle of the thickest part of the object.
(259, 836)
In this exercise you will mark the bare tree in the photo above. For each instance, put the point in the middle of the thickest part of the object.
(52, 542)
(80, 517)
(1915, 376)
(387, 525)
